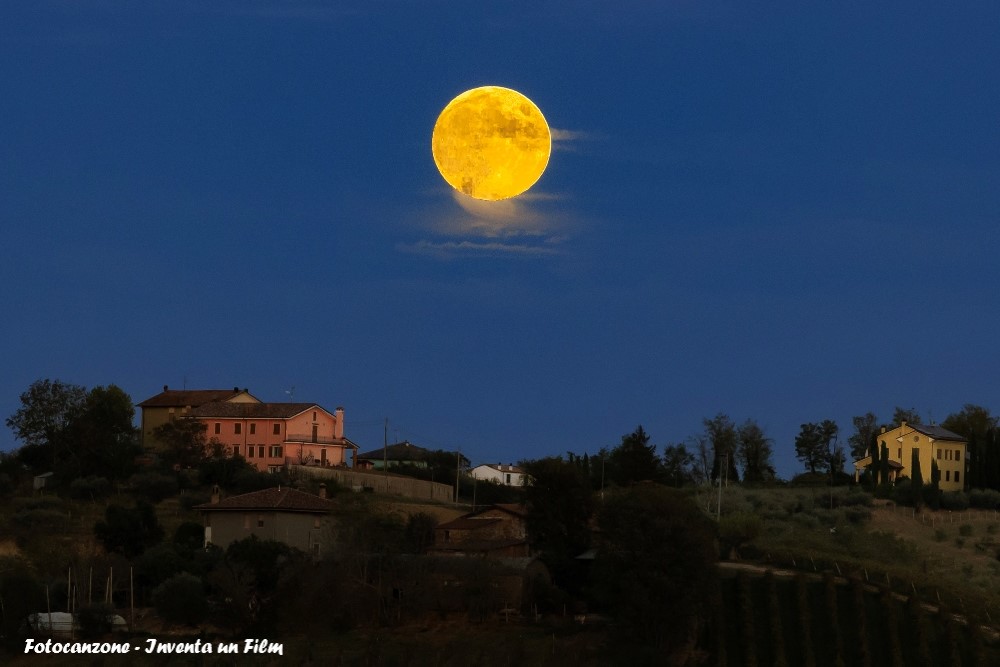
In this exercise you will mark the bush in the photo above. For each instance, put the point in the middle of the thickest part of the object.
(965, 530)
(95, 620)
(181, 599)
(857, 515)
(189, 499)
(91, 487)
(39, 503)
(190, 535)
(41, 519)
(735, 530)
(954, 500)
(940, 535)
(154, 486)
(984, 498)
(857, 498)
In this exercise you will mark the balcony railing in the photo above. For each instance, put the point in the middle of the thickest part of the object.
(314, 440)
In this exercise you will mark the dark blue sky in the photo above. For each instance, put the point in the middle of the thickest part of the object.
(786, 214)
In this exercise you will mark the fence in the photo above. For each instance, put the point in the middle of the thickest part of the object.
(379, 482)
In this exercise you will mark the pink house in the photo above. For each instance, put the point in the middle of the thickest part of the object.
(270, 435)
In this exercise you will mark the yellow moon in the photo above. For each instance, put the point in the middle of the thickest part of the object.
(491, 143)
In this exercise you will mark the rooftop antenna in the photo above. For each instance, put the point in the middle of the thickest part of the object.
(290, 392)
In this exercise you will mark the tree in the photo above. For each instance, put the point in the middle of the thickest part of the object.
(181, 599)
(908, 415)
(721, 432)
(129, 530)
(103, 435)
(809, 446)
(977, 426)
(635, 460)
(755, 452)
(184, 442)
(47, 409)
(678, 466)
(656, 568)
(865, 434)
(559, 505)
(917, 479)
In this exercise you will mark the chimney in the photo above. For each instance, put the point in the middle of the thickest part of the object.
(216, 493)
(883, 429)
(236, 389)
(902, 424)
(322, 490)
(164, 387)
(338, 425)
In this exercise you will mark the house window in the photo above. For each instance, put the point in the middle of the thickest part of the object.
(260, 451)
(316, 550)
(447, 536)
(277, 429)
(956, 475)
(508, 478)
(939, 454)
(237, 428)
(218, 427)
(236, 450)
(260, 521)
(275, 451)
(958, 455)
(250, 451)
(316, 522)
(253, 428)
(947, 475)
(314, 416)
(900, 454)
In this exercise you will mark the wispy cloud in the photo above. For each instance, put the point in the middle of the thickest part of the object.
(516, 227)
(450, 249)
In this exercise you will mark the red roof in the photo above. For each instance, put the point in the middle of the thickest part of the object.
(273, 499)
(182, 398)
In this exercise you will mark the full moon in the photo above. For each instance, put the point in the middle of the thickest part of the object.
(491, 143)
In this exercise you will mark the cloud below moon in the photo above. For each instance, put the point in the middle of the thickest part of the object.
(508, 228)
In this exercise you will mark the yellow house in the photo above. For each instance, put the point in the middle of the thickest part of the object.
(175, 403)
(934, 443)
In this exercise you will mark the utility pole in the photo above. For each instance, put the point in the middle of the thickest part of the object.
(458, 467)
(385, 449)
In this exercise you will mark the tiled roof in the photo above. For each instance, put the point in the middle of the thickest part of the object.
(467, 523)
(273, 499)
(937, 432)
(253, 410)
(400, 451)
(517, 509)
(181, 398)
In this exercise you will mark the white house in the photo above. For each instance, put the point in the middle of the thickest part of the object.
(509, 475)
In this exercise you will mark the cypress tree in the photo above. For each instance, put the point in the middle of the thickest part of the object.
(875, 468)
(932, 493)
(883, 467)
(917, 480)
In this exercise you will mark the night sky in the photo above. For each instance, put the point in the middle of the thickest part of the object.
(786, 214)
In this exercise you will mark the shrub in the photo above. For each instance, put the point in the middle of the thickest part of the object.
(155, 486)
(857, 515)
(95, 620)
(735, 530)
(41, 518)
(39, 503)
(959, 542)
(189, 499)
(984, 498)
(965, 530)
(954, 500)
(190, 535)
(857, 497)
(940, 535)
(91, 487)
(181, 599)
